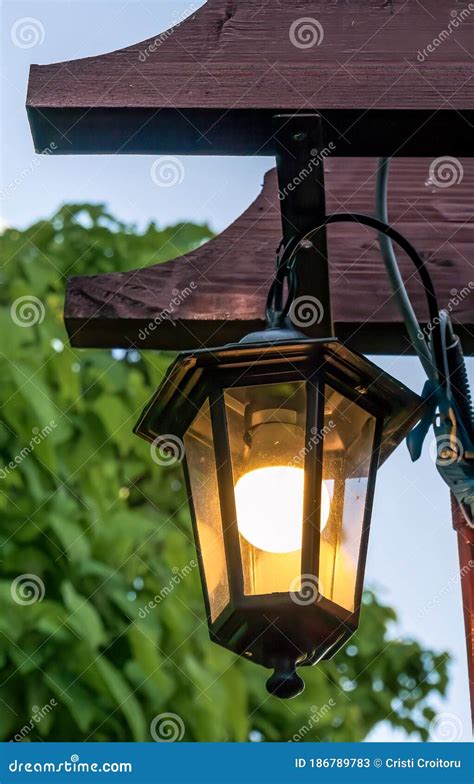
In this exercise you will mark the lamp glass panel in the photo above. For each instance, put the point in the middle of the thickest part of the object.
(201, 464)
(348, 443)
(266, 430)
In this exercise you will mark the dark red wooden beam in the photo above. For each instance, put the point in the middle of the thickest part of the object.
(388, 76)
(219, 290)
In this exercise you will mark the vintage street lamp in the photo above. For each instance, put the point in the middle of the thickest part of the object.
(282, 439)
(282, 512)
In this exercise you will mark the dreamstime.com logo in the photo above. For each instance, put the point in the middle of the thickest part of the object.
(166, 450)
(27, 32)
(72, 765)
(178, 576)
(167, 313)
(445, 590)
(37, 437)
(167, 728)
(27, 311)
(160, 39)
(37, 715)
(306, 311)
(26, 172)
(446, 451)
(27, 589)
(457, 296)
(317, 713)
(306, 32)
(457, 17)
(317, 158)
(167, 171)
(316, 436)
(445, 171)
(446, 728)
(305, 589)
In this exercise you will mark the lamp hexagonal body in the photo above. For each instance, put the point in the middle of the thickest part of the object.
(282, 442)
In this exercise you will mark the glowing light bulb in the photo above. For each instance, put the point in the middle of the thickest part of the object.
(269, 504)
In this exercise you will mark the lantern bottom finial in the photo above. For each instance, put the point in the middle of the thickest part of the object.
(285, 681)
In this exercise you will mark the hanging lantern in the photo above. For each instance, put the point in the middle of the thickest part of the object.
(282, 439)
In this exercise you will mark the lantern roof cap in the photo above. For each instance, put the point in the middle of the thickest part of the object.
(187, 384)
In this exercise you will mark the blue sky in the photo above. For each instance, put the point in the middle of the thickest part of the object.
(413, 553)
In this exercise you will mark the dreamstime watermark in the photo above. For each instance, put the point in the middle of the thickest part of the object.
(35, 162)
(36, 439)
(445, 171)
(446, 728)
(167, 449)
(316, 437)
(317, 157)
(445, 590)
(144, 54)
(178, 576)
(306, 32)
(167, 171)
(317, 713)
(457, 18)
(37, 715)
(445, 450)
(27, 311)
(179, 296)
(457, 296)
(27, 32)
(167, 728)
(305, 589)
(72, 765)
(306, 311)
(27, 589)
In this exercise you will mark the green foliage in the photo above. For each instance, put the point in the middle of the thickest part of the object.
(86, 511)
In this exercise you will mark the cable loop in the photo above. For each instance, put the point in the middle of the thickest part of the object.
(276, 309)
(286, 270)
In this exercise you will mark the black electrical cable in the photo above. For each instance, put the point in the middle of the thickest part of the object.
(285, 267)
(279, 281)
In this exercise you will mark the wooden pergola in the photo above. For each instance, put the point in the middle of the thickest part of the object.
(249, 77)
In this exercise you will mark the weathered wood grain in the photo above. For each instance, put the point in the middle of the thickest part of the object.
(212, 84)
(232, 273)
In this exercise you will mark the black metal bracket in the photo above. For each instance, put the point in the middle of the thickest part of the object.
(300, 152)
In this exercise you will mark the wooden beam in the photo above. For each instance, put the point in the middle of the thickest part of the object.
(217, 293)
(388, 78)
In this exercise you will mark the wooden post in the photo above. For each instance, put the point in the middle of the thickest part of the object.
(465, 535)
(300, 166)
